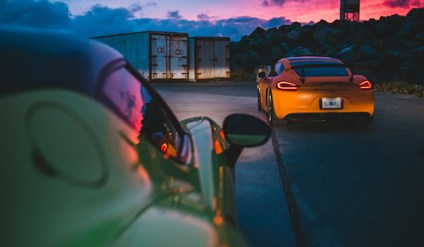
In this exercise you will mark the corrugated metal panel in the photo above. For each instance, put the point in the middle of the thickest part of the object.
(156, 55)
(205, 50)
(222, 56)
(178, 57)
(135, 48)
(209, 58)
(159, 56)
(192, 60)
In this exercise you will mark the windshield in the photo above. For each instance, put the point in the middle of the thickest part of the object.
(144, 112)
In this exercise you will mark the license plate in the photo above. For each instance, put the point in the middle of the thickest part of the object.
(331, 103)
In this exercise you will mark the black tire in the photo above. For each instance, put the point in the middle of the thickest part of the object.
(259, 101)
(272, 118)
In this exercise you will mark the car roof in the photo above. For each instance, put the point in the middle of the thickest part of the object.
(38, 58)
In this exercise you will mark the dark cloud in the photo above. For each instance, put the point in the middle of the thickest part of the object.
(135, 8)
(402, 3)
(276, 22)
(417, 3)
(102, 20)
(397, 3)
(273, 2)
(203, 17)
(35, 13)
(265, 3)
(174, 14)
(269, 3)
(150, 4)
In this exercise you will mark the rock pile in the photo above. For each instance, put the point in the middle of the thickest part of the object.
(391, 48)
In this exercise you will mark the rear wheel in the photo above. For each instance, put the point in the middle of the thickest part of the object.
(272, 117)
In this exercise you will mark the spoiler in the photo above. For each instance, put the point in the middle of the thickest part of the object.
(322, 65)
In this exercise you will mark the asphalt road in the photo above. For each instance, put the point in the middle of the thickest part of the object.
(323, 184)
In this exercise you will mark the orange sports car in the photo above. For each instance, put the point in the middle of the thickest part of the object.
(314, 88)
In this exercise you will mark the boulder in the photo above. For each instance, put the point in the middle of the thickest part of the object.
(257, 44)
(299, 51)
(409, 70)
(294, 35)
(251, 60)
(367, 50)
(388, 26)
(385, 46)
(419, 53)
(348, 55)
(285, 29)
(244, 40)
(415, 15)
(327, 35)
(307, 34)
(257, 33)
(276, 54)
(274, 36)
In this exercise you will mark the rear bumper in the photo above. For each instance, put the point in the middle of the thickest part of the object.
(306, 104)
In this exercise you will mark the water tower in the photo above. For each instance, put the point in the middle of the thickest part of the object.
(349, 10)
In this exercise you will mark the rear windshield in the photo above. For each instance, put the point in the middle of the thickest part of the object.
(325, 70)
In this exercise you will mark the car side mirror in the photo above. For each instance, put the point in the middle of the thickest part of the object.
(245, 130)
(262, 74)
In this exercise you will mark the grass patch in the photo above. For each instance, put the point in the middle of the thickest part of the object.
(400, 87)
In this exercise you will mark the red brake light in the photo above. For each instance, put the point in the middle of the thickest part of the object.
(164, 147)
(287, 86)
(365, 85)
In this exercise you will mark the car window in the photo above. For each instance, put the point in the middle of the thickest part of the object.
(322, 71)
(279, 68)
(143, 111)
(325, 70)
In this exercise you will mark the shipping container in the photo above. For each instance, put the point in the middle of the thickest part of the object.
(156, 55)
(209, 58)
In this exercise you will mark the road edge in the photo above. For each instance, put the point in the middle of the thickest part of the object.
(288, 193)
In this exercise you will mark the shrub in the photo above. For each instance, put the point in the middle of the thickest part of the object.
(400, 87)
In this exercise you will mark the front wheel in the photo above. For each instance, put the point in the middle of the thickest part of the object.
(259, 101)
(272, 118)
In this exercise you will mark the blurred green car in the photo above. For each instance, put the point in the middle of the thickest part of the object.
(92, 156)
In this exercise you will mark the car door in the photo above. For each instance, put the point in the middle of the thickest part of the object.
(71, 174)
(183, 167)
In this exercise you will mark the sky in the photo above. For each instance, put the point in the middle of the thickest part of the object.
(231, 18)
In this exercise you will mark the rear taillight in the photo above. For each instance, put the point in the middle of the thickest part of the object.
(365, 85)
(287, 86)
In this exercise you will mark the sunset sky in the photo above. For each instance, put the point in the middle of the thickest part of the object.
(233, 18)
(294, 10)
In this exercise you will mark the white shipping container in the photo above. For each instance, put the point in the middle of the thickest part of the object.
(156, 55)
(209, 58)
